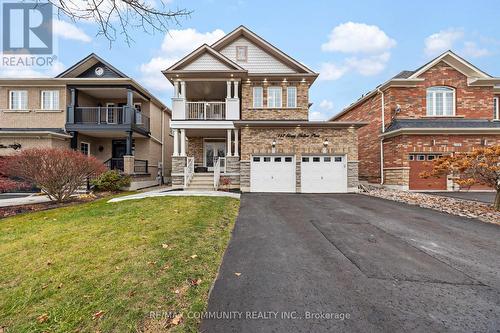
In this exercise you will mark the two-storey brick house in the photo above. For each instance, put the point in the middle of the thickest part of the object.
(240, 111)
(448, 105)
(94, 108)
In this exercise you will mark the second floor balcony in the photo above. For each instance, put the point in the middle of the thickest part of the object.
(206, 100)
(108, 116)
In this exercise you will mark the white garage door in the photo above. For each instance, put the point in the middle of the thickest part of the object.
(272, 174)
(323, 174)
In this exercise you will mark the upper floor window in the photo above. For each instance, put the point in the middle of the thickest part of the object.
(18, 100)
(496, 108)
(257, 97)
(440, 101)
(291, 97)
(50, 100)
(241, 53)
(274, 97)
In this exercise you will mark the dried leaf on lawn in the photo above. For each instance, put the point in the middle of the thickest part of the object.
(42, 318)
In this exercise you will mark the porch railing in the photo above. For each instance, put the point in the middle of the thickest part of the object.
(140, 166)
(188, 171)
(205, 110)
(114, 163)
(217, 173)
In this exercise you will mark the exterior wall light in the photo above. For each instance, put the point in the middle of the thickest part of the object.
(325, 146)
(273, 146)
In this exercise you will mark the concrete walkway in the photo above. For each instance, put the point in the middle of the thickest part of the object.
(26, 200)
(170, 193)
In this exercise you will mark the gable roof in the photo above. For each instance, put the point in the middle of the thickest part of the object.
(204, 49)
(85, 64)
(243, 31)
(454, 61)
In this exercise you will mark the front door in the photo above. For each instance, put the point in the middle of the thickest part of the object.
(119, 149)
(212, 151)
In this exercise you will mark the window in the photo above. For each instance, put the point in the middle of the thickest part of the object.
(291, 97)
(138, 114)
(267, 159)
(316, 159)
(18, 100)
(327, 159)
(496, 108)
(85, 148)
(256, 159)
(421, 157)
(110, 114)
(338, 159)
(431, 157)
(277, 159)
(305, 159)
(288, 159)
(49, 100)
(241, 53)
(274, 97)
(411, 157)
(257, 97)
(440, 101)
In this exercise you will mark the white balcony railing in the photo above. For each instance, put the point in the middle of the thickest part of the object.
(205, 110)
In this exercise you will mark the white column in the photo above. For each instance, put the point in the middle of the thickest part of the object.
(183, 89)
(228, 94)
(228, 153)
(183, 142)
(176, 89)
(236, 148)
(176, 142)
(236, 89)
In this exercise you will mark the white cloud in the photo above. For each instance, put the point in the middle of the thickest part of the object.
(176, 44)
(441, 41)
(331, 72)
(353, 37)
(326, 104)
(369, 66)
(471, 49)
(70, 31)
(316, 115)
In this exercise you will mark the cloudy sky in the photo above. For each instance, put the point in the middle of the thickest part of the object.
(354, 47)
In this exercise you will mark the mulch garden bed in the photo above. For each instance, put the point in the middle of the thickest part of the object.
(461, 207)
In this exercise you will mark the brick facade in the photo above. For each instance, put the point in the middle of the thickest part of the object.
(471, 103)
(301, 112)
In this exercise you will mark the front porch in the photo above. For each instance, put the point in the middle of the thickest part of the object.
(208, 157)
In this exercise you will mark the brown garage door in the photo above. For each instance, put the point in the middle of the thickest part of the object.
(421, 163)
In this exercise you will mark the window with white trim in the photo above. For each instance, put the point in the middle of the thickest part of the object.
(291, 97)
(49, 100)
(258, 97)
(496, 108)
(274, 97)
(138, 114)
(85, 148)
(241, 53)
(440, 101)
(18, 100)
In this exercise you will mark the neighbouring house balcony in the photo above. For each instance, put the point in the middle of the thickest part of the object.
(107, 108)
(206, 100)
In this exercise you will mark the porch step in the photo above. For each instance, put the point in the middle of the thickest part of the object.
(201, 182)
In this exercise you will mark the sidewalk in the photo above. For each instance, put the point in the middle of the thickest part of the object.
(31, 199)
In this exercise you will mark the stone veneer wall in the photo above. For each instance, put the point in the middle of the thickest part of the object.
(233, 170)
(258, 141)
(178, 164)
(398, 177)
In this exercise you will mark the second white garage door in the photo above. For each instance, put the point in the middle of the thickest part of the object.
(323, 174)
(272, 174)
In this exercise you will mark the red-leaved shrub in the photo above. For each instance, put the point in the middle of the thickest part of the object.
(8, 184)
(57, 172)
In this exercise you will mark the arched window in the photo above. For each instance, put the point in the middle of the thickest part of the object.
(440, 101)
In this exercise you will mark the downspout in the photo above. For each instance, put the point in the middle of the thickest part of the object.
(162, 147)
(382, 139)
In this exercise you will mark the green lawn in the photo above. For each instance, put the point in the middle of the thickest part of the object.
(59, 268)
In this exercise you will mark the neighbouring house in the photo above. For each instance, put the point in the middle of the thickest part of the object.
(240, 111)
(94, 108)
(448, 105)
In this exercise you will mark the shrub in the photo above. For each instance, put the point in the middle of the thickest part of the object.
(111, 180)
(57, 172)
(8, 184)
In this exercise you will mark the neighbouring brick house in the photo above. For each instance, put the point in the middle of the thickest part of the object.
(94, 108)
(448, 105)
(240, 111)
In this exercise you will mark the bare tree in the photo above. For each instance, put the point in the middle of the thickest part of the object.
(116, 17)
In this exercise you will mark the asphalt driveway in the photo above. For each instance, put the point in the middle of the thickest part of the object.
(352, 263)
